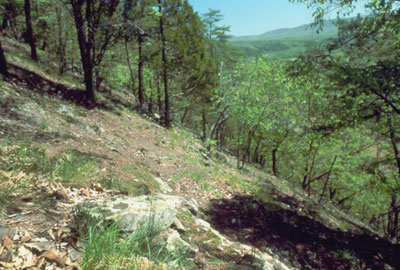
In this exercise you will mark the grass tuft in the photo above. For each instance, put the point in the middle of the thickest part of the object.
(106, 248)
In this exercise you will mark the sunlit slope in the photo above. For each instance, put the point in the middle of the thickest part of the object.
(284, 43)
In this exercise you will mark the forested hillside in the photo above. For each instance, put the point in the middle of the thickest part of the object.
(285, 43)
(323, 120)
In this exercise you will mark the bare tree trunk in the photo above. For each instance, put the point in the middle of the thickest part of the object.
(140, 73)
(184, 115)
(159, 98)
(327, 180)
(167, 119)
(393, 216)
(9, 17)
(4, 23)
(204, 126)
(3, 63)
(274, 161)
(133, 80)
(29, 30)
(151, 98)
(255, 153)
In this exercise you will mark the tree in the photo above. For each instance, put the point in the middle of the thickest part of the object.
(10, 10)
(167, 117)
(96, 34)
(3, 63)
(362, 68)
(29, 30)
(136, 19)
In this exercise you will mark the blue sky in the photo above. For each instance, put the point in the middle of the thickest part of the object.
(253, 17)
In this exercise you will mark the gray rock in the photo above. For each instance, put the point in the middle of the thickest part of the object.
(280, 266)
(157, 116)
(204, 225)
(40, 247)
(154, 213)
(170, 241)
(64, 110)
(179, 226)
(74, 255)
(191, 205)
(5, 231)
(163, 187)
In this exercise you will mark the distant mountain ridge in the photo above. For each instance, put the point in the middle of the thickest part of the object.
(285, 43)
(306, 30)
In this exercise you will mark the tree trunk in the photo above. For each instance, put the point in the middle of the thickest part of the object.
(3, 63)
(9, 16)
(184, 115)
(133, 80)
(167, 119)
(274, 161)
(85, 47)
(140, 73)
(204, 126)
(151, 98)
(29, 30)
(61, 44)
(159, 98)
(255, 153)
(327, 180)
(393, 217)
(4, 23)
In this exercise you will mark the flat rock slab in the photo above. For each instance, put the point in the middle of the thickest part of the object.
(154, 213)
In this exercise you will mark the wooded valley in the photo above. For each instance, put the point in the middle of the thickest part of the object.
(325, 117)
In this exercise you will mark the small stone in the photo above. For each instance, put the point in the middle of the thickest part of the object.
(179, 226)
(39, 247)
(203, 224)
(74, 255)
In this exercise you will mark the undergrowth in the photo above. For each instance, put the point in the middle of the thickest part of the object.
(106, 248)
(22, 165)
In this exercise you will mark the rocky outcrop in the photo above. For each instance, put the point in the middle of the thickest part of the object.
(173, 223)
(171, 242)
(154, 213)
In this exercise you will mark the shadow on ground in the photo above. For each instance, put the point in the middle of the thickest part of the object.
(39, 84)
(299, 240)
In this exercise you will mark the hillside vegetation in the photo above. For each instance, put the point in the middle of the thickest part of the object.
(286, 43)
(293, 164)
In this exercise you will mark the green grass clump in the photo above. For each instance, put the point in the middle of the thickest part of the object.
(73, 168)
(197, 176)
(22, 165)
(19, 169)
(143, 181)
(106, 248)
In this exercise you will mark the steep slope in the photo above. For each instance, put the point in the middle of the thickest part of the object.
(53, 149)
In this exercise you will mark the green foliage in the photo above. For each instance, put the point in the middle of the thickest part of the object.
(284, 44)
